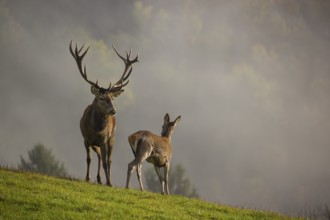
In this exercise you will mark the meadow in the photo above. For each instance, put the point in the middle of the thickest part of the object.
(35, 196)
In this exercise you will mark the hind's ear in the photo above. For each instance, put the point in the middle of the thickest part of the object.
(177, 119)
(166, 118)
(95, 90)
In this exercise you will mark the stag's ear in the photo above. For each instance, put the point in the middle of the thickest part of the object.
(166, 118)
(117, 93)
(95, 90)
(177, 119)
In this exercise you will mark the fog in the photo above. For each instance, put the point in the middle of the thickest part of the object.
(251, 80)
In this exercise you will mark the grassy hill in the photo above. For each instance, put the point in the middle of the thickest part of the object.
(35, 196)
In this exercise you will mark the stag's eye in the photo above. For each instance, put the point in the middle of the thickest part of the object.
(102, 99)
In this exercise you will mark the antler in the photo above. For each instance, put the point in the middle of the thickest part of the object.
(76, 55)
(122, 82)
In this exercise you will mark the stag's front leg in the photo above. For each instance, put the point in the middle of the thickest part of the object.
(88, 160)
(105, 163)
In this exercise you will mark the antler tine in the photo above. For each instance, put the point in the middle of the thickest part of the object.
(109, 87)
(77, 52)
(79, 58)
(81, 48)
(71, 50)
(128, 54)
(113, 46)
(136, 59)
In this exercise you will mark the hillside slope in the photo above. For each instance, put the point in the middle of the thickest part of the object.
(35, 196)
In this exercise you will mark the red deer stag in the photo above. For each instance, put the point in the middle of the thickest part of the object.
(98, 122)
(154, 149)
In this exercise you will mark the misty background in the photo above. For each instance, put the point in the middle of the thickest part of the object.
(251, 80)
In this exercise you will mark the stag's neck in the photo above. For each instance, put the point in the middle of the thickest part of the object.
(98, 119)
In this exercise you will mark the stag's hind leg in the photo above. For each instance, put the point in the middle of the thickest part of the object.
(110, 143)
(104, 154)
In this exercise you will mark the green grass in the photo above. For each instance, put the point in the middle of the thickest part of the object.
(35, 196)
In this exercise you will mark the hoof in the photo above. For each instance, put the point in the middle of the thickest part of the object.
(99, 181)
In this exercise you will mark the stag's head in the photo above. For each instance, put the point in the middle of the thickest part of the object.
(104, 100)
(104, 96)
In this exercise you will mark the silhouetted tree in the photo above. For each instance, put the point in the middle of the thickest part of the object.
(42, 160)
(326, 212)
(318, 213)
(178, 183)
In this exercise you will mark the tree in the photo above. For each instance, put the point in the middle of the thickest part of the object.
(317, 213)
(178, 183)
(326, 212)
(42, 160)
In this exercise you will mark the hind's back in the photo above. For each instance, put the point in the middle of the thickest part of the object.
(134, 139)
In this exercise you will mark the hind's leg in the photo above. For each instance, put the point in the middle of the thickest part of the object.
(139, 174)
(142, 153)
(166, 171)
(161, 178)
